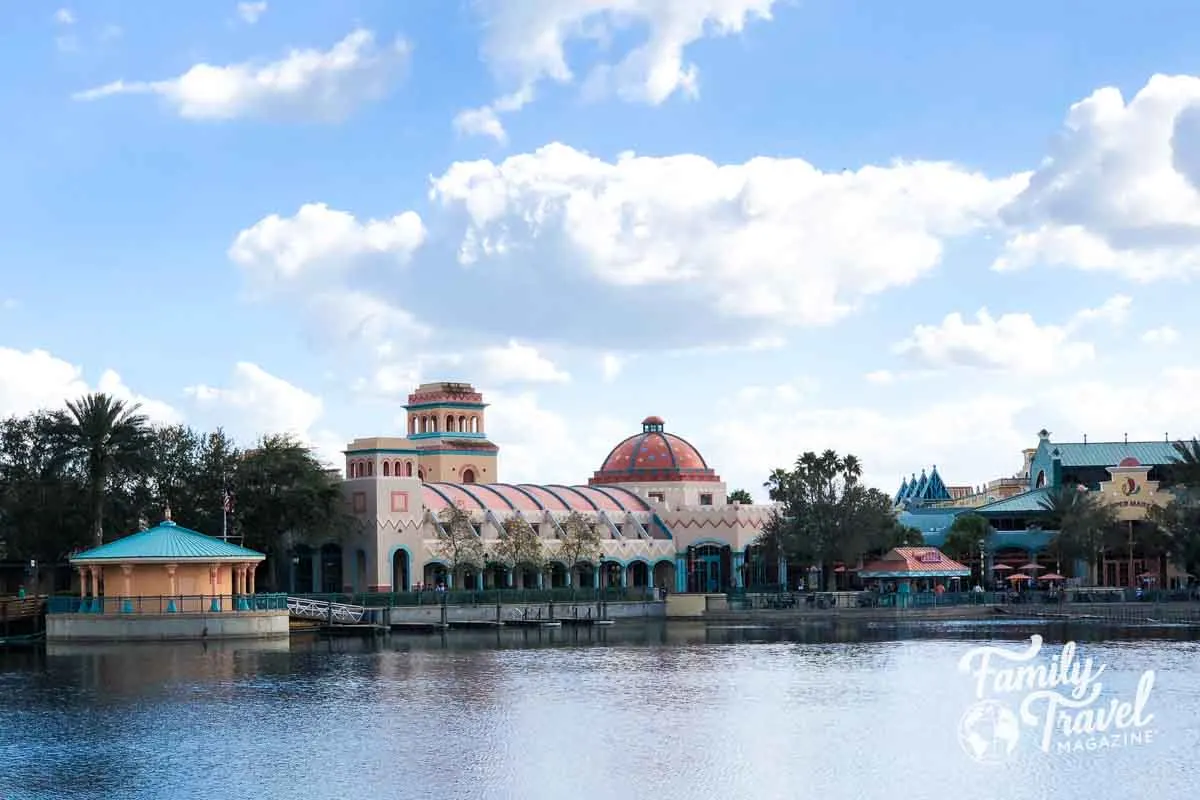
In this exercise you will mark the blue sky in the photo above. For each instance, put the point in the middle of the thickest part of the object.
(817, 186)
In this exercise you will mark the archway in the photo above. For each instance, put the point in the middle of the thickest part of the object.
(611, 575)
(585, 575)
(331, 569)
(468, 475)
(556, 572)
(709, 568)
(400, 578)
(303, 568)
(434, 574)
(637, 574)
(664, 574)
(360, 570)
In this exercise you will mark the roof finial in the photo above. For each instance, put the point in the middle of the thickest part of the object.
(167, 513)
(1085, 438)
(1127, 438)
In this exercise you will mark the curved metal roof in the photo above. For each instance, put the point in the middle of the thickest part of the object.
(167, 542)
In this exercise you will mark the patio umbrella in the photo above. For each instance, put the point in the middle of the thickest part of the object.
(1147, 576)
(1052, 576)
(1019, 577)
(1032, 565)
(1002, 568)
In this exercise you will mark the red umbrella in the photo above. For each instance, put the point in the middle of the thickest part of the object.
(1032, 565)
(1002, 568)
(1015, 578)
(1052, 576)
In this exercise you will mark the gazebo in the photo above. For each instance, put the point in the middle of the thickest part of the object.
(167, 582)
(907, 564)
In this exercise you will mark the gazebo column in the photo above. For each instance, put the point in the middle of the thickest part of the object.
(737, 562)
(97, 603)
(250, 589)
(127, 590)
(171, 609)
(216, 597)
(242, 605)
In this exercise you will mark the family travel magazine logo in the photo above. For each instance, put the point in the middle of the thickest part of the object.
(1058, 699)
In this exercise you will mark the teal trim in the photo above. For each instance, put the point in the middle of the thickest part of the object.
(167, 541)
(468, 406)
(446, 435)
(655, 519)
(383, 452)
(551, 486)
(437, 451)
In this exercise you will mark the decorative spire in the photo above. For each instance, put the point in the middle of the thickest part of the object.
(167, 513)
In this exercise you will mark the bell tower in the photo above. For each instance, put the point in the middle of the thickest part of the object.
(446, 424)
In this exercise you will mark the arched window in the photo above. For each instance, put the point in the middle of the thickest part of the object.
(474, 424)
(449, 423)
(387, 469)
(462, 424)
(1041, 479)
(370, 468)
(408, 469)
(421, 473)
(468, 475)
(412, 425)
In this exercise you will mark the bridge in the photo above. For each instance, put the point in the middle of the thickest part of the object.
(325, 611)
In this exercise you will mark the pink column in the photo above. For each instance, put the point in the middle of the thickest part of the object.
(127, 603)
(250, 570)
(216, 599)
(84, 586)
(171, 609)
(96, 602)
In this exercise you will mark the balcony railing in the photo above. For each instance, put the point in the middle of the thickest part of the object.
(167, 604)
(491, 597)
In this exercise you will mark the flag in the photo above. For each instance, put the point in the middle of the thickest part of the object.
(227, 503)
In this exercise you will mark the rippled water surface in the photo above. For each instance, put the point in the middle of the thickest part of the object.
(658, 713)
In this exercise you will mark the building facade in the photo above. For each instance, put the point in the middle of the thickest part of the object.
(659, 508)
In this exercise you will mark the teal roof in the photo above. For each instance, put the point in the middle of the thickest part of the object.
(926, 489)
(1017, 504)
(1110, 454)
(168, 542)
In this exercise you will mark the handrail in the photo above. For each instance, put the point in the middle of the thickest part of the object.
(167, 604)
(489, 597)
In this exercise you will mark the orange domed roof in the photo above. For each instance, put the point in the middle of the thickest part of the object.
(653, 456)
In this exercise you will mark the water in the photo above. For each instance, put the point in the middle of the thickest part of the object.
(658, 712)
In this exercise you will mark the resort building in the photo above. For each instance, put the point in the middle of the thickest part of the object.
(660, 510)
(1125, 475)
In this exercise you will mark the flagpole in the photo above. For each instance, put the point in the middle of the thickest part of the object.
(224, 509)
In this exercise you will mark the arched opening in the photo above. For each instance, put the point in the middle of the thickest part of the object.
(434, 575)
(408, 469)
(412, 424)
(360, 570)
(303, 569)
(585, 575)
(468, 475)
(370, 468)
(495, 576)
(709, 568)
(433, 424)
(449, 423)
(664, 575)
(331, 569)
(400, 578)
(474, 424)
(611, 575)
(557, 573)
(638, 574)
(421, 473)
(1040, 481)
(387, 469)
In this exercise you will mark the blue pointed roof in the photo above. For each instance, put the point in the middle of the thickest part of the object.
(936, 489)
(168, 542)
(903, 492)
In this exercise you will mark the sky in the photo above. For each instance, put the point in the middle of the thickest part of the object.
(916, 232)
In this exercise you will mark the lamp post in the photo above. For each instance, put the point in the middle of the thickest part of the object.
(602, 585)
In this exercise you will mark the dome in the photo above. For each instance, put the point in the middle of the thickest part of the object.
(1129, 462)
(654, 456)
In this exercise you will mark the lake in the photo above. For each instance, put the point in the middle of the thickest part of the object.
(665, 712)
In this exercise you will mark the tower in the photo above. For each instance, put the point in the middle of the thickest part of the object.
(446, 425)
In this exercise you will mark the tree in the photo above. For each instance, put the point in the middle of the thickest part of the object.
(580, 543)
(827, 515)
(1086, 527)
(902, 536)
(1180, 521)
(105, 438)
(1185, 469)
(965, 534)
(740, 496)
(458, 542)
(519, 545)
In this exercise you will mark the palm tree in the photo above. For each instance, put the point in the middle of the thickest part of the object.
(104, 437)
(1085, 525)
(1185, 469)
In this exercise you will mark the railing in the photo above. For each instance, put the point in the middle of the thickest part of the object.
(489, 597)
(12, 608)
(167, 604)
(310, 608)
(745, 600)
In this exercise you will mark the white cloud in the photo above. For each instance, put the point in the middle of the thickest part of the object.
(35, 380)
(64, 16)
(611, 366)
(880, 377)
(250, 12)
(1164, 336)
(257, 403)
(1118, 192)
(526, 40)
(542, 446)
(349, 317)
(319, 238)
(803, 247)
(519, 363)
(305, 84)
(1011, 342)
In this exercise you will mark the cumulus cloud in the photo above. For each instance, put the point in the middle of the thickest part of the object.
(804, 247)
(526, 40)
(249, 13)
(321, 239)
(1012, 342)
(1119, 191)
(1165, 335)
(304, 84)
(35, 379)
(256, 402)
(519, 363)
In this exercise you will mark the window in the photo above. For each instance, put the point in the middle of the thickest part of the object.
(656, 497)
(387, 468)
(360, 502)
(399, 502)
(468, 475)
(706, 499)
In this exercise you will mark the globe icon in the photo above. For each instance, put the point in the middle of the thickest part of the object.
(989, 732)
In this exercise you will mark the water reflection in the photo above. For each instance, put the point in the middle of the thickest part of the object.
(678, 711)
